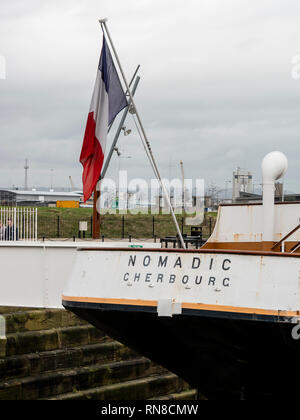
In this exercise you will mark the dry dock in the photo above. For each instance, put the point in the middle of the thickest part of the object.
(51, 354)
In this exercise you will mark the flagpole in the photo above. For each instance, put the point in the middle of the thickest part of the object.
(96, 215)
(144, 137)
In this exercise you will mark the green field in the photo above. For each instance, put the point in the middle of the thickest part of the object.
(63, 223)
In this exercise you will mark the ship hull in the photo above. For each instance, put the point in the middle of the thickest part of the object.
(223, 356)
(222, 320)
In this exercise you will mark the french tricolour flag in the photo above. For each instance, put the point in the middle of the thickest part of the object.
(107, 101)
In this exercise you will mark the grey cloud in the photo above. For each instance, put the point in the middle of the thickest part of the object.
(216, 88)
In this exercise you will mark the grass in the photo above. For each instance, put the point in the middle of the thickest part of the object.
(54, 222)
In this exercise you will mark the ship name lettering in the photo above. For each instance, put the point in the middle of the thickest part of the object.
(211, 281)
(161, 262)
(226, 282)
(160, 277)
(185, 279)
(131, 260)
(165, 261)
(196, 262)
(146, 260)
(178, 263)
(172, 278)
(226, 267)
(175, 278)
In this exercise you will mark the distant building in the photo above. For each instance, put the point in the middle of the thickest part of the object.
(242, 182)
(35, 198)
(257, 198)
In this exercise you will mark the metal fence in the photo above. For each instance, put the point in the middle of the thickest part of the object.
(52, 226)
(62, 226)
(28, 223)
(18, 223)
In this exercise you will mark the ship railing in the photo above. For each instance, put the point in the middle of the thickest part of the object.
(281, 243)
(295, 248)
(18, 223)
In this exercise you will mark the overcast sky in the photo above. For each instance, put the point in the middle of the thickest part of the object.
(216, 86)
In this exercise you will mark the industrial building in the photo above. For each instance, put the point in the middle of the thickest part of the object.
(247, 198)
(36, 198)
(242, 182)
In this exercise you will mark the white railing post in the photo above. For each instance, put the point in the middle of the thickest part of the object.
(36, 235)
(23, 224)
(15, 224)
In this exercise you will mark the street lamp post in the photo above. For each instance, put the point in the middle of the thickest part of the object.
(51, 184)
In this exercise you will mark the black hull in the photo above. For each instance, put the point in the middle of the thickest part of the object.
(224, 357)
